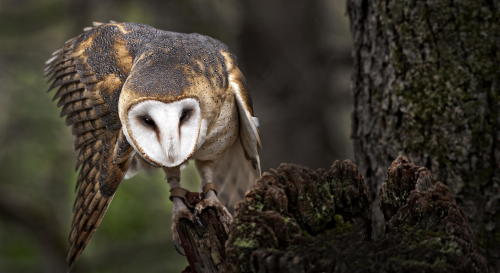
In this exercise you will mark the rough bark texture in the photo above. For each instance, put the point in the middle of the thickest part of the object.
(297, 219)
(301, 220)
(426, 84)
(203, 237)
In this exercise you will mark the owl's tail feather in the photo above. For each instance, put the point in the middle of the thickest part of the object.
(234, 175)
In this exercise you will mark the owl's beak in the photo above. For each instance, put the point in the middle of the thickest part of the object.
(169, 136)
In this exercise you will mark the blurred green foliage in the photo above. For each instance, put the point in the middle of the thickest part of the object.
(37, 177)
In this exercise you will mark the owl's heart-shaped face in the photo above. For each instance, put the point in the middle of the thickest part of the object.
(164, 134)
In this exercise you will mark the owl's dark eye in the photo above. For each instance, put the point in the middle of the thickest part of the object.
(186, 113)
(147, 121)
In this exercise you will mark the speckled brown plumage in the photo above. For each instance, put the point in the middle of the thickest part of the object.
(108, 64)
(95, 129)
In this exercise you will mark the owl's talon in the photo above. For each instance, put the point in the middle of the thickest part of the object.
(210, 200)
(198, 221)
(177, 246)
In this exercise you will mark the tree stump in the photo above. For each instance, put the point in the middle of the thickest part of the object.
(297, 219)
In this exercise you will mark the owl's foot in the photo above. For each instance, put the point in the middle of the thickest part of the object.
(180, 211)
(210, 200)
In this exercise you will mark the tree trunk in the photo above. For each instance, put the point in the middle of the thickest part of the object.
(426, 84)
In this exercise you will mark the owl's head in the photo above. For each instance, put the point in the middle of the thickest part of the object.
(163, 107)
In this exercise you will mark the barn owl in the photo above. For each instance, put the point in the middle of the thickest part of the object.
(138, 97)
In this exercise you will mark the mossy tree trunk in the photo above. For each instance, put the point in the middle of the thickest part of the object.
(426, 84)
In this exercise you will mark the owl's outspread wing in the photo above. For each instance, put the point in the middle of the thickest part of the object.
(88, 87)
(108, 68)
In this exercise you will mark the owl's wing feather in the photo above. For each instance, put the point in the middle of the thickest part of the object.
(234, 174)
(88, 75)
(239, 166)
(249, 133)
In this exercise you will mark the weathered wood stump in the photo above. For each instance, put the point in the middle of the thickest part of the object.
(296, 219)
(203, 239)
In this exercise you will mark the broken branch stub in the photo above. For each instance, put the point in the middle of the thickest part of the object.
(203, 239)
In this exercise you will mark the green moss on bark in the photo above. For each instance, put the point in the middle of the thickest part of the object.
(426, 230)
(426, 84)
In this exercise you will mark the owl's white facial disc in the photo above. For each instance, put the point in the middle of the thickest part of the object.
(165, 134)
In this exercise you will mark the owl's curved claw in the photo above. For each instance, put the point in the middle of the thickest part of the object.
(210, 199)
(177, 244)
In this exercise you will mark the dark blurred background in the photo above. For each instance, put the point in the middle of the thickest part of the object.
(295, 55)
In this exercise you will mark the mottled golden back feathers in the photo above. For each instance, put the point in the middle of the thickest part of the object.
(110, 63)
